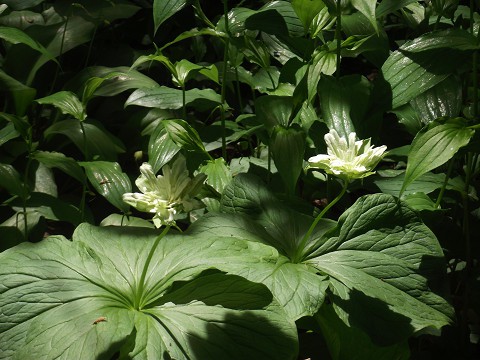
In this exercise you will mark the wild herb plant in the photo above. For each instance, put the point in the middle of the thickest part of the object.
(303, 168)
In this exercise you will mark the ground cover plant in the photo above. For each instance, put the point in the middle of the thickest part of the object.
(239, 179)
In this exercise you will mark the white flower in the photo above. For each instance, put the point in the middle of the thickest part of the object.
(167, 195)
(348, 159)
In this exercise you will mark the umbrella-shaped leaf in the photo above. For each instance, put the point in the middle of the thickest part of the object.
(109, 181)
(80, 299)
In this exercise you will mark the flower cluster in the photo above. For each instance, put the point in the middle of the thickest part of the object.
(167, 195)
(348, 159)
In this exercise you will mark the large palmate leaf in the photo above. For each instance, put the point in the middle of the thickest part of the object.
(62, 299)
(376, 260)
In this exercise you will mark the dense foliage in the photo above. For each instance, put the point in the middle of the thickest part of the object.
(193, 179)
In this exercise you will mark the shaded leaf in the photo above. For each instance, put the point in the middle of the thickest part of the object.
(67, 102)
(58, 160)
(163, 9)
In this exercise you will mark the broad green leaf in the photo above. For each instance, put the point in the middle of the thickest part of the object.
(388, 6)
(192, 33)
(420, 202)
(378, 260)
(163, 9)
(444, 99)
(344, 102)
(350, 343)
(276, 18)
(11, 181)
(155, 57)
(161, 148)
(21, 123)
(426, 61)
(116, 80)
(67, 102)
(434, 146)
(42, 179)
(323, 62)
(7, 133)
(184, 135)
(163, 97)
(288, 148)
(21, 4)
(367, 8)
(218, 174)
(124, 220)
(21, 95)
(425, 183)
(98, 141)
(17, 36)
(109, 181)
(306, 11)
(58, 160)
(49, 207)
(95, 302)
(274, 110)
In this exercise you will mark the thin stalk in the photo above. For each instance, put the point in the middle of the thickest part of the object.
(224, 77)
(237, 86)
(90, 46)
(57, 70)
(84, 136)
(444, 186)
(184, 108)
(141, 285)
(202, 15)
(317, 219)
(338, 36)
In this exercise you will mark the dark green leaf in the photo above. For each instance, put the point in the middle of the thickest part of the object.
(67, 102)
(22, 96)
(109, 181)
(274, 110)
(163, 97)
(184, 135)
(163, 9)
(10, 180)
(218, 174)
(58, 160)
(21, 4)
(306, 10)
(288, 148)
(367, 8)
(434, 147)
(161, 148)
(8, 133)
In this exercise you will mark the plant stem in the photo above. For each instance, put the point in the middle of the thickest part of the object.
(224, 76)
(239, 96)
(307, 236)
(184, 108)
(338, 36)
(442, 190)
(139, 296)
(84, 136)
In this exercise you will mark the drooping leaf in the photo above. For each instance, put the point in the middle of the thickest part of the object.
(344, 102)
(163, 97)
(426, 61)
(58, 160)
(7, 133)
(109, 181)
(95, 302)
(161, 148)
(434, 146)
(288, 148)
(274, 110)
(367, 8)
(306, 11)
(163, 9)
(11, 181)
(67, 102)
(182, 134)
(96, 142)
(17, 36)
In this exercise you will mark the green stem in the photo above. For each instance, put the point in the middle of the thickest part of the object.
(338, 36)
(444, 186)
(202, 15)
(139, 297)
(57, 70)
(307, 236)
(237, 86)
(184, 108)
(224, 77)
(84, 136)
